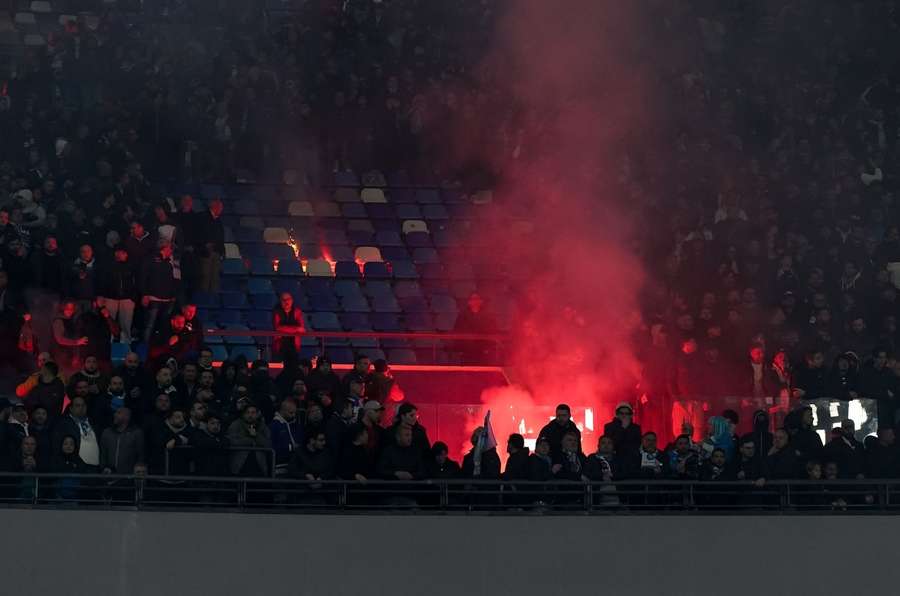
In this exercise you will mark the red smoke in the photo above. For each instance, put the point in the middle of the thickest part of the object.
(558, 103)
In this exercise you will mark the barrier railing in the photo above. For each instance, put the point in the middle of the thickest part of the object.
(190, 453)
(448, 496)
(323, 336)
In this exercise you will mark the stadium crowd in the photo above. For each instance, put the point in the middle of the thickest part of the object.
(780, 250)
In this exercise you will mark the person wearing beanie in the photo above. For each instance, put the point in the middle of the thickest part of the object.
(624, 432)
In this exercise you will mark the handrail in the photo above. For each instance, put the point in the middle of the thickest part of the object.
(357, 334)
(230, 449)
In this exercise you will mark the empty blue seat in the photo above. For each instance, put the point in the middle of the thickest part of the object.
(404, 270)
(332, 236)
(386, 322)
(443, 239)
(251, 353)
(379, 211)
(445, 321)
(435, 212)
(325, 302)
(234, 300)
(259, 285)
(219, 352)
(395, 253)
(408, 211)
(233, 267)
(341, 253)
(118, 352)
(407, 289)
(355, 303)
(290, 267)
(264, 302)
(359, 238)
(261, 266)
(230, 284)
(340, 355)
(250, 250)
(229, 317)
(385, 304)
(282, 252)
(211, 191)
(346, 270)
(242, 235)
(317, 286)
(245, 207)
(260, 320)
(375, 270)
(419, 321)
(453, 195)
(376, 288)
(325, 321)
(238, 339)
(203, 316)
(442, 303)
(206, 300)
(414, 304)
(291, 286)
(402, 356)
(425, 255)
(346, 178)
(355, 321)
(427, 196)
(416, 239)
(431, 271)
(353, 211)
(347, 287)
(384, 238)
(385, 225)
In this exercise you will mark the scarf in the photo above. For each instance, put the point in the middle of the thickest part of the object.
(573, 462)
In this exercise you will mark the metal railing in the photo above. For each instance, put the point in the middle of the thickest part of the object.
(190, 453)
(105, 491)
(323, 336)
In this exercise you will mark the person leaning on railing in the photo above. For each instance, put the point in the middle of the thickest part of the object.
(249, 431)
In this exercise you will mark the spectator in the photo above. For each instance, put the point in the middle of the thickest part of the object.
(625, 434)
(211, 448)
(557, 428)
(313, 461)
(173, 341)
(360, 374)
(371, 418)
(845, 452)
(286, 433)
(760, 435)
(139, 245)
(118, 288)
(781, 459)
(173, 436)
(718, 437)
(648, 462)
(66, 339)
(82, 281)
(136, 380)
(355, 463)
(715, 467)
(98, 326)
(50, 274)
(287, 318)
(843, 380)
(210, 246)
(603, 465)
(517, 462)
(323, 379)
(569, 464)
(878, 382)
(16, 427)
(540, 463)
(49, 393)
(75, 424)
(336, 428)
(121, 445)
(27, 460)
(381, 382)
(805, 440)
(684, 462)
(159, 288)
(162, 385)
(408, 417)
(474, 319)
(481, 464)
(90, 374)
(881, 456)
(810, 379)
(401, 460)
(748, 465)
(67, 461)
(249, 431)
(440, 466)
(39, 429)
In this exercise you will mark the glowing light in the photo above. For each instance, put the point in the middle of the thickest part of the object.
(589, 418)
(275, 265)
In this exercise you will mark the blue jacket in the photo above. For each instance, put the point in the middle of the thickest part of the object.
(287, 437)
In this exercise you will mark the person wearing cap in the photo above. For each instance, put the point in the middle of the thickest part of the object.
(488, 468)
(118, 287)
(624, 432)
(324, 378)
(557, 428)
(159, 284)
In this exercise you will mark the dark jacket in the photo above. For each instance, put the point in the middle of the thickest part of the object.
(555, 432)
(420, 439)
(572, 465)
(448, 471)
(158, 279)
(158, 437)
(82, 280)
(638, 468)
(626, 440)
(139, 249)
(761, 436)
(287, 437)
(848, 454)
(209, 231)
(881, 461)
(49, 395)
(317, 463)
(807, 443)
(354, 459)
(539, 468)
(752, 468)
(812, 381)
(490, 465)
(395, 458)
(595, 464)
(840, 384)
(121, 450)
(782, 465)
(49, 271)
(517, 465)
(118, 281)
(210, 453)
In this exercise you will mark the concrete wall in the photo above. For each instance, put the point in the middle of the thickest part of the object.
(137, 554)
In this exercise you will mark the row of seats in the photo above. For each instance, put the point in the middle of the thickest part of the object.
(426, 265)
(338, 354)
(261, 320)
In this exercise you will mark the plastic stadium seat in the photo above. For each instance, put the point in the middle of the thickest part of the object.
(332, 237)
(290, 268)
(229, 234)
(385, 322)
(388, 238)
(234, 300)
(460, 270)
(258, 285)
(427, 196)
(383, 304)
(367, 254)
(300, 209)
(425, 255)
(245, 207)
(253, 222)
(323, 303)
(234, 267)
(346, 195)
(379, 211)
(229, 317)
(407, 289)
(347, 287)
(435, 212)
(327, 209)
(402, 356)
(443, 239)
(360, 225)
(318, 268)
(341, 253)
(325, 321)
(247, 235)
(259, 320)
(292, 286)
(263, 302)
(376, 288)
(276, 236)
(395, 253)
(206, 300)
(404, 270)
(431, 271)
(25, 19)
(220, 352)
(414, 304)
(346, 270)
(414, 225)
(355, 321)
(375, 270)
(346, 178)
(353, 210)
(238, 339)
(416, 239)
(360, 237)
(441, 303)
(261, 266)
(372, 195)
(407, 211)
(317, 286)
(282, 252)
(251, 353)
(253, 250)
(445, 321)
(355, 304)
(232, 251)
(419, 321)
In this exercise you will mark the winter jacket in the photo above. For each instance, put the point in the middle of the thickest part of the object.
(120, 450)
(286, 436)
(625, 439)
(48, 395)
(118, 282)
(211, 457)
(517, 465)
(490, 465)
(318, 464)
(158, 279)
(239, 436)
(395, 458)
(555, 433)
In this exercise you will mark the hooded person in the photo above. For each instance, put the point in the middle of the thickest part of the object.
(719, 437)
(624, 432)
(760, 434)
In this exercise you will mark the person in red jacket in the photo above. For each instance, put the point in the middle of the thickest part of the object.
(287, 318)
